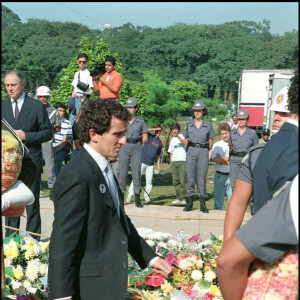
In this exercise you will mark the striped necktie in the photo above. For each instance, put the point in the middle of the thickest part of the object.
(113, 187)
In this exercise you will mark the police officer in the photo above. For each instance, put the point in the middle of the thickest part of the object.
(43, 93)
(199, 136)
(137, 135)
(265, 136)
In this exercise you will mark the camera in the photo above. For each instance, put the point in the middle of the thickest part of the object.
(99, 69)
(82, 86)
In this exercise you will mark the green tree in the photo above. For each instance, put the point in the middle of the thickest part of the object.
(8, 18)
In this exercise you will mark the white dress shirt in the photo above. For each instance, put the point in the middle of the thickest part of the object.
(20, 102)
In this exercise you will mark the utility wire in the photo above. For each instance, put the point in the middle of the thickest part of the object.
(79, 12)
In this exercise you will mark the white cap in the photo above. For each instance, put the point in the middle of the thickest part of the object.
(280, 101)
(43, 91)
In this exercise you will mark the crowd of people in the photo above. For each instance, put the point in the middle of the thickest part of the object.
(102, 139)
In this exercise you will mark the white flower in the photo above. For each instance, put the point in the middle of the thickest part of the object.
(171, 244)
(32, 269)
(13, 244)
(31, 290)
(143, 232)
(15, 284)
(184, 264)
(150, 243)
(26, 284)
(209, 276)
(199, 263)
(197, 275)
(36, 249)
(162, 244)
(7, 262)
(43, 269)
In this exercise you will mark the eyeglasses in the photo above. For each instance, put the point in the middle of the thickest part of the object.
(82, 62)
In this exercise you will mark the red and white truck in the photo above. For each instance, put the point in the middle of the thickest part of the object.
(257, 89)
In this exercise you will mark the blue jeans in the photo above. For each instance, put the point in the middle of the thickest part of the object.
(222, 186)
(77, 108)
(60, 157)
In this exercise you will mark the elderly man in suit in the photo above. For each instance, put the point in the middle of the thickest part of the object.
(91, 232)
(29, 119)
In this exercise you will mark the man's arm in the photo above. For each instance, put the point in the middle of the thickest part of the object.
(44, 130)
(158, 164)
(232, 268)
(95, 84)
(63, 144)
(144, 138)
(236, 208)
(221, 160)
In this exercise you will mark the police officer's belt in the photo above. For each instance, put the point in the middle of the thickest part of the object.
(133, 141)
(197, 145)
(238, 154)
(222, 173)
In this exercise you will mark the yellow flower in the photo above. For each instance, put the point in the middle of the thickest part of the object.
(12, 253)
(213, 263)
(215, 290)
(45, 246)
(18, 274)
(29, 254)
(31, 244)
(167, 288)
(206, 268)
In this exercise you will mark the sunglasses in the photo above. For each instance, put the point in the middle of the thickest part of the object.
(82, 62)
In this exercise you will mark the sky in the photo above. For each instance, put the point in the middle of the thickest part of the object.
(284, 16)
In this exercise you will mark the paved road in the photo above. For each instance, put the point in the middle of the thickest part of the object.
(159, 218)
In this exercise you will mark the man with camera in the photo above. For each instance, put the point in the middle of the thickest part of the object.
(110, 82)
(82, 83)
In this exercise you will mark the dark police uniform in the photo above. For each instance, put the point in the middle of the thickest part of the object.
(240, 145)
(277, 163)
(197, 156)
(132, 153)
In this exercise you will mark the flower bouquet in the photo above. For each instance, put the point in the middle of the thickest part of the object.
(194, 268)
(26, 267)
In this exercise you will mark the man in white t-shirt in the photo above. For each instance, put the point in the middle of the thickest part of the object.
(178, 164)
(83, 75)
(220, 156)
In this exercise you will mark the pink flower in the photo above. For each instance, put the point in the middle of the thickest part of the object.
(154, 279)
(195, 238)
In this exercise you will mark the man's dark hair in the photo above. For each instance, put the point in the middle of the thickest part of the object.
(224, 127)
(111, 59)
(175, 126)
(82, 55)
(293, 94)
(97, 114)
(19, 75)
(233, 115)
(59, 105)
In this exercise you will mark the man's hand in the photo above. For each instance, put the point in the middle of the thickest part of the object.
(21, 134)
(162, 267)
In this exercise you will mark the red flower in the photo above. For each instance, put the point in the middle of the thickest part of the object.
(208, 296)
(155, 280)
(188, 292)
(138, 284)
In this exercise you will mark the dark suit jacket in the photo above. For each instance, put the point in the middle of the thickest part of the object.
(89, 242)
(276, 164)
(33, 120)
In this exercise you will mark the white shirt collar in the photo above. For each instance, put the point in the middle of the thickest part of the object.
(100, 160)
(21, 99)
(294, 122)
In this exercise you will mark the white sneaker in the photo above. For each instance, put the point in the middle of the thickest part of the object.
(128, 198)
(147, 199)
(177, 201)
(183, 202)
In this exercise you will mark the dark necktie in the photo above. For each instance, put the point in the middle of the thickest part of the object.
(16, 110)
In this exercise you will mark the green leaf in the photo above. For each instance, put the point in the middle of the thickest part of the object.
(9, 272)
(204, 284)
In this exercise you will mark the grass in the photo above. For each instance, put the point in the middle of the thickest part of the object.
(163, 192)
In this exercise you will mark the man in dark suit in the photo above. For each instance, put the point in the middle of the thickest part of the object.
(91, 232)
(29, 119)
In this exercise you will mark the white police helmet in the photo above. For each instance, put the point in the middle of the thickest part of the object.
(280, 101)
(43, 91)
